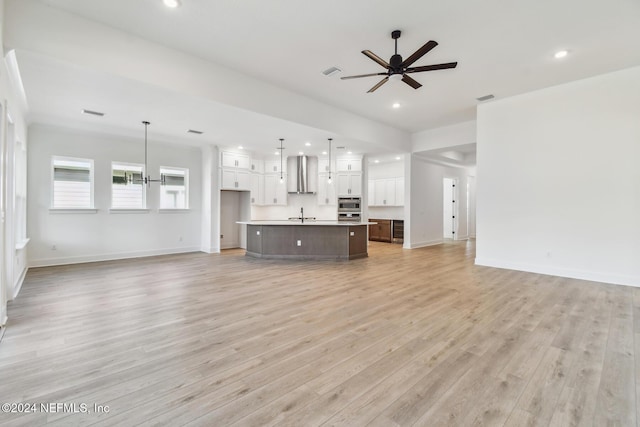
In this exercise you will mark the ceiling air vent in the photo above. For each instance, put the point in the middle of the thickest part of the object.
(340, 148)
(331, 71)
(485, 98)
(93, 113)
(197, 132)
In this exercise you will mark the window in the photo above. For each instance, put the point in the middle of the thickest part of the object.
(127, 190)
(174, 193)
(72, 183)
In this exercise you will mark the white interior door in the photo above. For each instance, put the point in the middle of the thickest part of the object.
(449, 211)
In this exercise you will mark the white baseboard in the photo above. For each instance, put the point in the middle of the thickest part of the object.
(46, 262)
(426, 243)
(18, 285)
(593, 276)
(210, 250)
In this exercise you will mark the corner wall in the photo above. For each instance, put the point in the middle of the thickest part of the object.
(559, 180)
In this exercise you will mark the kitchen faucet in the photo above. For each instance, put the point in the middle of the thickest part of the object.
(302, 217)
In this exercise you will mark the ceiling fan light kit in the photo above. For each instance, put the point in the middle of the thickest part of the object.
(397, 68)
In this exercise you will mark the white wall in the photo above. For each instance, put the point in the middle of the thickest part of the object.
(104, 235)
(425, 208)
(294, 202)
(559, 180)
(447, 136)
(12, 259)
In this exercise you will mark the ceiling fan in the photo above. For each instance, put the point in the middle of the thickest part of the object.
(398, 69)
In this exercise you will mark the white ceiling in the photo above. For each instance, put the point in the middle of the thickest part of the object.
(502, 47)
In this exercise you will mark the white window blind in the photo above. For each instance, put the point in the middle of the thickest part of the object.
(127, 192)
(174, 193)
(72, 183)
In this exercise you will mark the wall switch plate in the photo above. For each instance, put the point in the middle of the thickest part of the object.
(299, 242)
(352, 233)
(257, 233)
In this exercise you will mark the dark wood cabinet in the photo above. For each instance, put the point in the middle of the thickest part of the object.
(381, 231)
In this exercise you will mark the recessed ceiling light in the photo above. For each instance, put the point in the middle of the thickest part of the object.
(276, 153)
(396, 105)
(300, 153)
(349, 152)
(308, 144)
(398, 158)
(376, 161)
(171, 3)
(324, 153)
(561, 54)
(240, 147)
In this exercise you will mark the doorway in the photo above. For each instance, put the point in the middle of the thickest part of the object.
(449, 208)
(234, 206)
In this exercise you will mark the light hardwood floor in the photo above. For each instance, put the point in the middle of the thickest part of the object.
(405, 337)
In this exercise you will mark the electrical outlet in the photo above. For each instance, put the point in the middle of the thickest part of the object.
(53, 247)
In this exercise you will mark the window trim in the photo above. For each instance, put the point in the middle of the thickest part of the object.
(144, 189)
(186, 190)
(91, 182)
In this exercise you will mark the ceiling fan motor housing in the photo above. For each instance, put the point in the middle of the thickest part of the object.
(396, 63)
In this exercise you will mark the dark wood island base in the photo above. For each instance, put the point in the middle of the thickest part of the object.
(307, 241)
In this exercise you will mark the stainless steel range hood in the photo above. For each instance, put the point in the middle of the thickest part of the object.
(302, 174)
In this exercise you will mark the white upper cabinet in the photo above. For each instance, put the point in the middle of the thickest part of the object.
(349, 184)
(326, 191)
(325, 166)
(234, 179)
(257, 188)
(257, 166)
(351, 164)
(235, 160)
(275, 192)
(273, 166)
(386, 192)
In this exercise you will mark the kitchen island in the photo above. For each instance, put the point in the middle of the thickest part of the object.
(337, 240)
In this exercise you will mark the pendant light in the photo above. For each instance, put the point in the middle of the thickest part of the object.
(147, 179)
(281, 149)
(329, 180)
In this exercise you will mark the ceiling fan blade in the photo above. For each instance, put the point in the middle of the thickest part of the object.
(362, 75)
(376, 58)
(431, 67)
(419, 53)
(411, 82)
(380, 83)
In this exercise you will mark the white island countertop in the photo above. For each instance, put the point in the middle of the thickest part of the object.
(307, 222)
